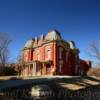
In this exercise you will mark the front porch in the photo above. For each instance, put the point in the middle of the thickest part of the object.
(36, 68)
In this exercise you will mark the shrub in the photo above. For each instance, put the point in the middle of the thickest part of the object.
(7, 71)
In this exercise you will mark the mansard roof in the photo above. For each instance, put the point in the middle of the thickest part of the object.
(53, 35)
(29, 44)
(72, 44)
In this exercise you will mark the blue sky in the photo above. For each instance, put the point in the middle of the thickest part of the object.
(77, 20)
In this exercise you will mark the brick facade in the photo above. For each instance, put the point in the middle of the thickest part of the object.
(51, 55)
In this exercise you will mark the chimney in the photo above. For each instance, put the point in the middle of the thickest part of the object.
(36, 40)
(41, 37)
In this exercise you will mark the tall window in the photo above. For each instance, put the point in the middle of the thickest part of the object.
(76, 69)
(26, 56)
(38, 55)
(60, 67)
(67, 54)
(60, 52)
(48, 54)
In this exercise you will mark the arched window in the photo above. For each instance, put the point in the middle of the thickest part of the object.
(49, 54)
(60, 66)
(67, 56)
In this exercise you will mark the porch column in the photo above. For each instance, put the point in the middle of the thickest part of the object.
(29, 74)
(43, 69)
(35, 72)
(22, 70)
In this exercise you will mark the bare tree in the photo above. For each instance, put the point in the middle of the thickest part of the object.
(94, 51)
(19, 62)
(4, 44)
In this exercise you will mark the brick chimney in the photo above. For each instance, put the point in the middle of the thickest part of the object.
(36, 40)
(41, 37)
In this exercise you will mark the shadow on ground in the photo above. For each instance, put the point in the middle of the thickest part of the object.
(63, 88)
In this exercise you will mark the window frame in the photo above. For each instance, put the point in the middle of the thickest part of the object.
(60, 52)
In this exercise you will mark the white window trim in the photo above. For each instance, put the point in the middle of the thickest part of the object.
(48, 53)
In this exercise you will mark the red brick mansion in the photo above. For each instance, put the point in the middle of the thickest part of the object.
(52, 55)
